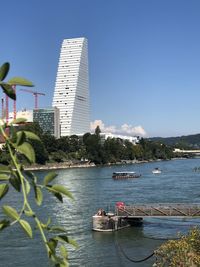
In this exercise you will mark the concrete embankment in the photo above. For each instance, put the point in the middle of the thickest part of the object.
(67, 165)
(56, 166)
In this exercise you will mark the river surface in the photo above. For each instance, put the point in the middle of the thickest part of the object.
(94, 188)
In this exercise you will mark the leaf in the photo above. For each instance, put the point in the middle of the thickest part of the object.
(46, 226)
(10, 212)
(52, 244)
(64, 263)
(3, 190)
(63, 190)
(29, 213)
(20, 138)
(57, 229)
(28, 135)
(4, 177)
(27, 150)
(48, 221)
(63, 251)
(4, 169)
(59, 197)
(56, 194)
(4, 69)
(49, 177)
(32, 176)
(26, 227)
(72, 242)
(13, 135)
(64, 238)
(8, 90)
(4, 223)
(27, 186)
(18, 121)
(31, 135)
(38, 195)
(15, 182)
(20, 81)
(59, 262)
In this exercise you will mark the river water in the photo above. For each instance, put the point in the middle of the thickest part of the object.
(93, 188)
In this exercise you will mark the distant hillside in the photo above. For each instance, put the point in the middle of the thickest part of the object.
(188, 141)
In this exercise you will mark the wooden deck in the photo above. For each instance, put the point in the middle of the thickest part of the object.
(159, 210)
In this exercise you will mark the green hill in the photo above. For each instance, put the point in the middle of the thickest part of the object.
(184, 142)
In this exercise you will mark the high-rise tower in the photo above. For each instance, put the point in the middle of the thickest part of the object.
(71, 93)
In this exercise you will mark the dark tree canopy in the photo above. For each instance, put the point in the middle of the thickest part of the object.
(93, 148)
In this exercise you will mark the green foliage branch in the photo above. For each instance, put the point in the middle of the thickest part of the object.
(184, 252)
(14, 174)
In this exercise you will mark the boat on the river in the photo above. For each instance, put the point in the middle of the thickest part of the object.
(125, 175)
(156, 171)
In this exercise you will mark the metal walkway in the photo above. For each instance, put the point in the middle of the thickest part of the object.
(159, 210)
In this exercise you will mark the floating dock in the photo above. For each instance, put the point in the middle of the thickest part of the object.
(133, 215)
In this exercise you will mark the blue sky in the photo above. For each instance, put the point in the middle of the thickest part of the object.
(144, 58)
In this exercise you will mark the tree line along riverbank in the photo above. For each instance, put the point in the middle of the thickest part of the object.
(89, 150)
(78, 164)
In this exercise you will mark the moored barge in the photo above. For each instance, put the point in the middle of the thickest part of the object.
(109, 222)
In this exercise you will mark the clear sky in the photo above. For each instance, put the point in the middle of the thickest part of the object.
(144, 58)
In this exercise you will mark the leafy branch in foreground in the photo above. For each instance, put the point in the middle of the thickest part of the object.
(8, 86)
(18, 143)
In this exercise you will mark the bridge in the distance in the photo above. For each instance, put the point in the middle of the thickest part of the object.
(187, 151)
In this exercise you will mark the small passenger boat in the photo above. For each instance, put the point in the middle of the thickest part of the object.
(156, 171)
(125, 175)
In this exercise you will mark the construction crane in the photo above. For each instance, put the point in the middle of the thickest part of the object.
(5, 112)
(14, 104)
(35, 95)
(2, 108)
(7, 109)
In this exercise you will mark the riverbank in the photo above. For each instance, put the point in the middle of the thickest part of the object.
(68, 165)
(57, 166)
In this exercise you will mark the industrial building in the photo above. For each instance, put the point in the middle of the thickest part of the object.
(132, 139)
(48, 119)
(24, 114)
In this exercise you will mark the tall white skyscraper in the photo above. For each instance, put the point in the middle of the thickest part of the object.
(71, 94)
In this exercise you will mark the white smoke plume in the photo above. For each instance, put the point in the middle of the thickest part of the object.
(125, 129)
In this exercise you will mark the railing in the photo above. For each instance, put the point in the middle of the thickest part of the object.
(159, 210)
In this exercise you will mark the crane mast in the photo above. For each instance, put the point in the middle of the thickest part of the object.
(35, 94)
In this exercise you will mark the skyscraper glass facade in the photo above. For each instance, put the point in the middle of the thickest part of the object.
(48, 120)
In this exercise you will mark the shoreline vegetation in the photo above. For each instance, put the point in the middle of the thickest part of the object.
(57, 166)
(88, 150)
(70, 165)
